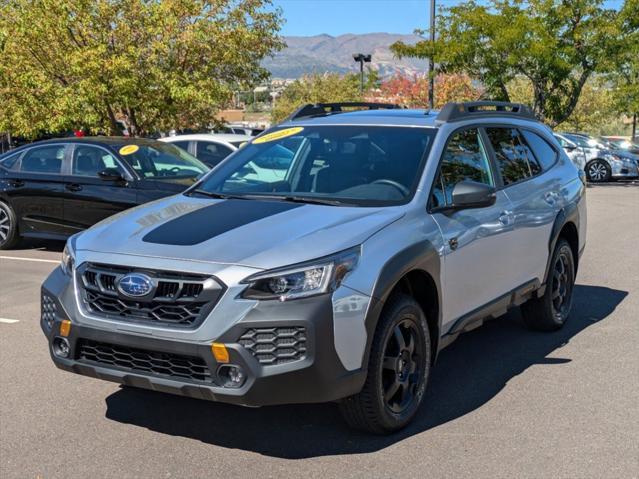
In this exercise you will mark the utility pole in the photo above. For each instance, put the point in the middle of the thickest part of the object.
(361, 58)
(431, 63)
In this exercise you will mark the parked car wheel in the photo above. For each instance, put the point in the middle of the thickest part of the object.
(398, 370)
(598, 171)
(8, 227)
(551, 311)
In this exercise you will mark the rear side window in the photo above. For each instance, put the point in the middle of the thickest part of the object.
(44, 159)
(515, 160)
(544, 153)
(182, 144)
(10, 160)
(212, 153)
(464, 159)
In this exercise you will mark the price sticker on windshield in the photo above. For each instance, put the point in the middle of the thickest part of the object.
(129, 149)
(278, 135)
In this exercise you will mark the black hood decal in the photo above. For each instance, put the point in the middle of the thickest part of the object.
(210, 221)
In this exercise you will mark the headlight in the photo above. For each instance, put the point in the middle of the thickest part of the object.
(303, 280)
(68, 260)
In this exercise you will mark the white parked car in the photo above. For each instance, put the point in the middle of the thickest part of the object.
(209, 148)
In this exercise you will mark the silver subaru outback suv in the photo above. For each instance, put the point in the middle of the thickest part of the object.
(329, 259)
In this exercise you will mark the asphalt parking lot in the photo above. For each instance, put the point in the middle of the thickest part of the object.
(503, 401)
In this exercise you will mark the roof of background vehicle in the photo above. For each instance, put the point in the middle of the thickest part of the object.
(397, 117)
(221, 137)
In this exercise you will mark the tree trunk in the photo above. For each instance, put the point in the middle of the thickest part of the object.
(112, 122)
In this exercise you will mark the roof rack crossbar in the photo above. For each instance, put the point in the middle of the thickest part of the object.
(463, 111)
(319, 109)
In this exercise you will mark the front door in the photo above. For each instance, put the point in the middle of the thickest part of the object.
(477, 241)
(89, 198)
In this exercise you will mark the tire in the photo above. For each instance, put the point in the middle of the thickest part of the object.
(550, 312)
(8, 227)
(598, 171)
(397, 378)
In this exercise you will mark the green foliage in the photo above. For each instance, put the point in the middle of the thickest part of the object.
(556, 45)
(159, 64)
(330, 87)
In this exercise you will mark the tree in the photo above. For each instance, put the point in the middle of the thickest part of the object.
(413, 91)
(160, 65)
(557, 45)
(325, 88)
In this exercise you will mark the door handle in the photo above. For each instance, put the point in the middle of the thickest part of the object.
(16, 183)
(506, 218)
(73, 187)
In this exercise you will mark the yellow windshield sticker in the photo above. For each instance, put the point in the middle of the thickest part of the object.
(129, 149)
(277, 135)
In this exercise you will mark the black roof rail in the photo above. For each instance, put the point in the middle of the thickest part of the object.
(319, 109)
(464, 111)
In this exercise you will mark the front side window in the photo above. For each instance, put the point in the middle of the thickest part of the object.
(514, 158)
(43, 159)
(356, 165)
(465, 158)
(212, 153)
(158, 160)
(91, 160)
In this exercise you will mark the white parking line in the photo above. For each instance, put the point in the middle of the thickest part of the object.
(9, 321)
(37, 260)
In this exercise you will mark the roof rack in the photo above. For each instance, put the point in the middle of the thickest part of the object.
(464, 111)
(319, 109)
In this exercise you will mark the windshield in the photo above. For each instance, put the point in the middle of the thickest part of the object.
(354, 165)
(161, 160)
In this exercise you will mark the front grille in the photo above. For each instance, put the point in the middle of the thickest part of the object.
(275, 345)
(48, 310)
(176, 300)
(140, 360)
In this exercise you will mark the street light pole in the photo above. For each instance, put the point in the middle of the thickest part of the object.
(361, 58)
(431, 63)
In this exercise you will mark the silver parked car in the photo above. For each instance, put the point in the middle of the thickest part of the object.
(603, 164)
(390, 233)
(573, 151)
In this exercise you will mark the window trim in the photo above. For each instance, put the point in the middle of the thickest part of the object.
(491, 166)
(17, 166)
(127, 174)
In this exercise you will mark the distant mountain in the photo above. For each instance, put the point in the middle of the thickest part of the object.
(324, 53)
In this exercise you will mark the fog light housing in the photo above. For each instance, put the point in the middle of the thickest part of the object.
(61, 347)
(231, 376)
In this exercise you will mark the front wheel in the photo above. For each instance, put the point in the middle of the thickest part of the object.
(8, 227)
(398, 370)
(551, 311)
(598, 171)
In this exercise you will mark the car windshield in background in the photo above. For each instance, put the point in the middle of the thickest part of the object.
(161, 160)
(353, 165)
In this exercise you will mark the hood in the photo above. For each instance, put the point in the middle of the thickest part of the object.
(255, 233)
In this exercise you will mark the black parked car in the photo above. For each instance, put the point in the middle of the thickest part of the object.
(55, 188)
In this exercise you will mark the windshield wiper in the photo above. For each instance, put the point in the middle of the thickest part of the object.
(299, 199)
(221, 196)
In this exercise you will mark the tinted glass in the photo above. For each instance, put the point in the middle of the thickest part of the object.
(44, 159)
(464, 159)
(579, 140)
(544, 153)
(181, 144)
(358, 165)
(10, 160)
(512, 155)
(212, 153)
(90, 160)
(161, 160)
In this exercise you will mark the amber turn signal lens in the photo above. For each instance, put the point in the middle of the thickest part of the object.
(65, 328)
(220, 352)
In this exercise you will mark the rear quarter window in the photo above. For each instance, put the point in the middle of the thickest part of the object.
(545, 154)
(10, 160)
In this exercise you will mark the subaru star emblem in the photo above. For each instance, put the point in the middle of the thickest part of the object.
(135, 285)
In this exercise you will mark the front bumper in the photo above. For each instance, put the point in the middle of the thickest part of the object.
(317, 377)
(624, 169)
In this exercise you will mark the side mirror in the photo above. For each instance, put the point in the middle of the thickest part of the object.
(470, 194)
(570, 147)
(110, 174)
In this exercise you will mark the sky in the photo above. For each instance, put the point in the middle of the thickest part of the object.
(336, 17)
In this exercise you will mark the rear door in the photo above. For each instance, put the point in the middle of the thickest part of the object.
(534, 188)
(89, 198)
(36, 190)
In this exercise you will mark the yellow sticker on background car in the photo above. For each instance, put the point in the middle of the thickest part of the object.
(277, 135)
(129, 149)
